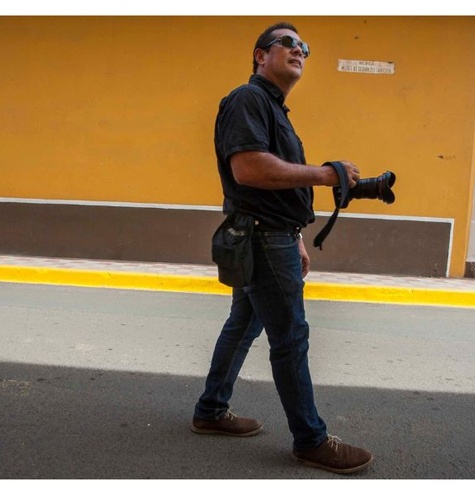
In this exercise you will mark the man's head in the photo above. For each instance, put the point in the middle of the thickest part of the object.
(280, 54)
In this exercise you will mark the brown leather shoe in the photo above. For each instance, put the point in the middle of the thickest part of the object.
(229, 424)
(335, 456)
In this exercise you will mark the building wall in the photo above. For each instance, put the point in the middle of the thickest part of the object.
(101, 111)
(470, 265)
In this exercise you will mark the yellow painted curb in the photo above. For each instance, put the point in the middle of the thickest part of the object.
(113, 280)
(210, 285)
(389, 295)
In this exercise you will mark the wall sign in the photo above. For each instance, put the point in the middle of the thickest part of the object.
(366, 66)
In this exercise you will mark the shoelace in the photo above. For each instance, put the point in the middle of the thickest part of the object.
(334, 442)
(229, 415)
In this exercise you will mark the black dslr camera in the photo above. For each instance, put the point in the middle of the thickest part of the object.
(372, 188)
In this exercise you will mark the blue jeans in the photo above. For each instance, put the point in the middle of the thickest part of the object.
(274, 301)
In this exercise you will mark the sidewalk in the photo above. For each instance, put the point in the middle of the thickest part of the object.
(203, 279)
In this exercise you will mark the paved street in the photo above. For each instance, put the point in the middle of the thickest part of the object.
(101, 383)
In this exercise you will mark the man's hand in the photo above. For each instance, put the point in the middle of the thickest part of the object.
(304, 257)
(352, 171)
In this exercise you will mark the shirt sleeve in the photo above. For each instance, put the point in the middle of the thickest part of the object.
(243, 123)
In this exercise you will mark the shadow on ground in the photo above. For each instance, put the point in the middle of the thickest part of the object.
(70, 423)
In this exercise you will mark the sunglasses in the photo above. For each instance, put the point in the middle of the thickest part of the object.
(291, 42)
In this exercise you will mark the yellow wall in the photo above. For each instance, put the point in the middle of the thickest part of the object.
(122, 108)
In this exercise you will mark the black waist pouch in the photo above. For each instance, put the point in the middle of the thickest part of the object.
(231, 250)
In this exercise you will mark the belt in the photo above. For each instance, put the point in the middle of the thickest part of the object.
(260, 227)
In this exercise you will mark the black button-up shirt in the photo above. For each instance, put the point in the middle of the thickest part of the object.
(253, 117)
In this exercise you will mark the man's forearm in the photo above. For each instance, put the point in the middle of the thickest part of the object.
(266, 171)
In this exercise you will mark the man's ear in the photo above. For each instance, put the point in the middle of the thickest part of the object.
(259, 56)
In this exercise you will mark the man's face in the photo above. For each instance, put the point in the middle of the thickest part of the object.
(280, 62)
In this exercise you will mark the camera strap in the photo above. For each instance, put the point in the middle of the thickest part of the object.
(340, 194)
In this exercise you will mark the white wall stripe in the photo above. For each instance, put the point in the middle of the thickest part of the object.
(164, 206)
(117, 204)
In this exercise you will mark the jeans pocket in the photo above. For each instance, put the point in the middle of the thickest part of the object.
(278, 240)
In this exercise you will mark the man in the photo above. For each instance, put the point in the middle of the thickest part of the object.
(264, 174)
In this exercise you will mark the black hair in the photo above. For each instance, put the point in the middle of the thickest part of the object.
(267, 36)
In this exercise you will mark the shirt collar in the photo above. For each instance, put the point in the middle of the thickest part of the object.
(271, 88)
